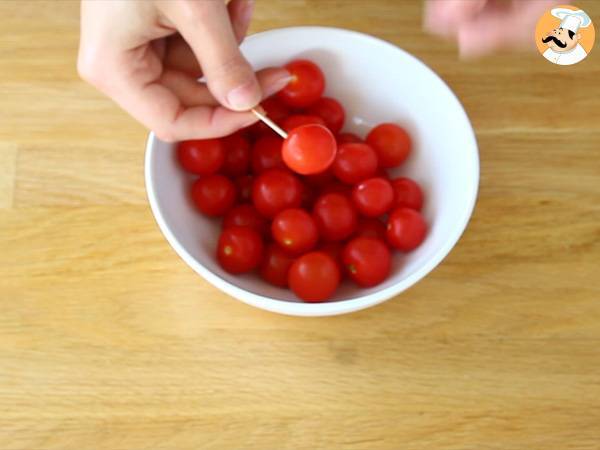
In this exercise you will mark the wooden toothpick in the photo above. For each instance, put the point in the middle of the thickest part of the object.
(262, 116)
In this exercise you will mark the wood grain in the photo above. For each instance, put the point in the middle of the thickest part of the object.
(109, 341)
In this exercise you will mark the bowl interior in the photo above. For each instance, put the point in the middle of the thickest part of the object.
(376, 82)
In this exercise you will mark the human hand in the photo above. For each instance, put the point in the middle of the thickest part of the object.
(485, 26)
(147, 56)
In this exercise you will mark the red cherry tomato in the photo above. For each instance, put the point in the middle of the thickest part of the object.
(201, 157)
(237, 155)
(369, 227)
(295, 231)
(275, 190)
(348, 138)
(407, 194)
(275, 266)
(331, 111)
(246, 215)
(239, 249)
(367, 260)
(309, 149)
(314, 277)
(275, 110)
(307, 84)
(266, 154)
(298, 120)
(214, 195)
(335, 217)
(391, 143)
(406, 229)
(354, 163)
(244, 187)
(373, 197)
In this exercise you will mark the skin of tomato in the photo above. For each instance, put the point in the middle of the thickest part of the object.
(348, 138)
(266, 154)
(334, 249)
(295, 231)
(321, 179)
(331, 111)
(391, 143)
(275, 190)
(244, 187)
(237, 155)
(367, 261)
(276, 110)
(314, 277)
(239, 249)
(406, 229)
(246, 215)
(354, 162)
(275, 266)
(370, 227)
(335, 217)
(297, 120)
(309, 149)
(306, 86)
(214, 195)
(373, 197)
(407, 194)
(201, 157)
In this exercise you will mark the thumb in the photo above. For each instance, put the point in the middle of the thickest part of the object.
(206, 27)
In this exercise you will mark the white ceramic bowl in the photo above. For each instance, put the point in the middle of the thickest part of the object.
(376, 82)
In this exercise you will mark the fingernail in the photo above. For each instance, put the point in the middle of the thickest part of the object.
(277, 84)
(243, 97)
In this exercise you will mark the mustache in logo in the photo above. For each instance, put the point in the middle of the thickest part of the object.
(556, 41)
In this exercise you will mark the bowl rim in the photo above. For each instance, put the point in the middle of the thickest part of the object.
(326, 308)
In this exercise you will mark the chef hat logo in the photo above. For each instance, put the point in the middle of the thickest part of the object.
(565, 35)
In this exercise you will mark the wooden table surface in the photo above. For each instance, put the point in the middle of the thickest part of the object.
(109, 341)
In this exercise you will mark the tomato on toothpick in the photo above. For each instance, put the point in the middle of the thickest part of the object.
(309, 149)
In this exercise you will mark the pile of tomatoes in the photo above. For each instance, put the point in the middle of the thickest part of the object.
(298, 228)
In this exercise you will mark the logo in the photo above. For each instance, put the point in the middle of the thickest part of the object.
(565, 35)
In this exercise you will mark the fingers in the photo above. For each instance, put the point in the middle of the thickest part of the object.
(192, 93)
(179, 56)
(206, 27)
(443, 17)
(240, 14)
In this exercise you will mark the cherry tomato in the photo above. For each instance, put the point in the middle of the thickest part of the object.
(391, 143)
(237, 155)
(407, 193)
(307, 84)
(266, 154)
(367, 260)
(331, 111)
(201, 157)
(354, 163)
(335, 217)
(239, 249)
(314, 277)
(294, 230)
(244, 187)
(298, 120)
(275, 110)
(275, 266)
(275, 190)
(214, 195)
(348, 138)
(406, 229)
(369, 227)
(309, 149)
(373, 197)
(246, 215)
